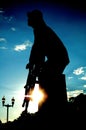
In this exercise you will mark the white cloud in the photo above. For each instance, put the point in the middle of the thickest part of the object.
(70, 77)
(2, 39)
(20, 47)
(83, 78)
(23, 46)
(79, 71)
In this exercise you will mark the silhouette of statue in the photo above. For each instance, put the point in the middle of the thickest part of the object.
(46, 44)
(48, 59)
(26, 99)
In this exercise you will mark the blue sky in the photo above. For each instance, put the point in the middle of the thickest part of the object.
(16, 39)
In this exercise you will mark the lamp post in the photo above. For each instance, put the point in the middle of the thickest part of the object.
(7, 105)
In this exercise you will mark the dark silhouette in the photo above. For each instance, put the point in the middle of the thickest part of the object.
(46, 44)
(26, 99)
(76, 117)
(31, 78)
(48, 59)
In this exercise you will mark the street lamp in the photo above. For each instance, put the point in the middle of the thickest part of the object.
(7, 105)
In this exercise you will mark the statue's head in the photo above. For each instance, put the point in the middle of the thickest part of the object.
(34, 18)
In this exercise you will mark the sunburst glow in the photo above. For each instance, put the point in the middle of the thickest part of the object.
(37, 97)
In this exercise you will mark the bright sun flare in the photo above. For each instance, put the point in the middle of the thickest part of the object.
(38, 97)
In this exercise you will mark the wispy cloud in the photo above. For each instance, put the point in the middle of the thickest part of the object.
(13, 29)
(2, 39)
(8, 19)
(23, 46)
(1, 15)
(3, 48)
(69, 78)
(4, 17)
(1, 10)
